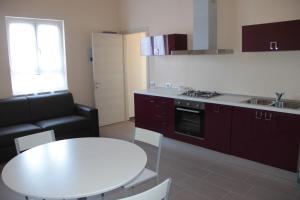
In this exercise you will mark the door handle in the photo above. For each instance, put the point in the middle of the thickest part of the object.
(187, 110)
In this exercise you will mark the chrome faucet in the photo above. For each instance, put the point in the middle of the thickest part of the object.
(278, 102)
(279, 96)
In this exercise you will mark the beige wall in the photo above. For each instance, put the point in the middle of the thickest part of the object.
(243, 73)
(81, 17)
(135, 69)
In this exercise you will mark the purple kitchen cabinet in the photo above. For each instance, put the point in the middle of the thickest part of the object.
(267, 137)
(163, 44)
(154, 113)
(285, 140)
(218, 127)
(242, 139)
(278, 36)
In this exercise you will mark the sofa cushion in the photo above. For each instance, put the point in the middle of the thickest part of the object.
(64, 124)
(9, 133)
(49, 106)
(14, 111)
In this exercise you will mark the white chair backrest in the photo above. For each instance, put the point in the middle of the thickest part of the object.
(159, 192)
(29, 141)
(148, 136)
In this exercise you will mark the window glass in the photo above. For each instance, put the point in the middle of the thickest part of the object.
(37, 55)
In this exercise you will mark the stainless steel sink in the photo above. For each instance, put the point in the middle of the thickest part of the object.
(261, 101)
(287, 104)
(290, 104)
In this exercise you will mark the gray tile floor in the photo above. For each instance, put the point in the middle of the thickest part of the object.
(201, 174)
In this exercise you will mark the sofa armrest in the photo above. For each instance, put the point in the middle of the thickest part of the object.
(85, 111)
(91, 114)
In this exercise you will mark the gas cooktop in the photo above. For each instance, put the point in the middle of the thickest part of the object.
(199, 93)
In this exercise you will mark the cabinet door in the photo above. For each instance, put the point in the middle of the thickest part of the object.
(287, 35)
(164, 116)
(267, 137)
(242, 136)
(176, 42)
(218, 127)
(277, 36)
(154, 113)
(257, 38)
(159, 45)
(147, 46)
(262, 136)
(285, 139)
(144, 111)
(165, 44)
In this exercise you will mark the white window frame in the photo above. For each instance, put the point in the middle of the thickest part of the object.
(35, 21)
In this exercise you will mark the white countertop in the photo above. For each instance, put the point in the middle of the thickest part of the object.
(224, 99)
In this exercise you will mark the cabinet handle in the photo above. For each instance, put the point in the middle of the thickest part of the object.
(152, 101)
(268, 118)
(187, 110)
(260, 116)
(274, 46)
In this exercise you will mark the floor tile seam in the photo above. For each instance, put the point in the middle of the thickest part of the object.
(230, 178)
(226, 189)
(268, 189)
(196, 193)
(292, 187)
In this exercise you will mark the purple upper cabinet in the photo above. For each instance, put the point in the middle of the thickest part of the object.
(279, 36)
(163, 44)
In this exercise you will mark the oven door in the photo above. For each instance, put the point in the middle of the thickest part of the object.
(189, 122)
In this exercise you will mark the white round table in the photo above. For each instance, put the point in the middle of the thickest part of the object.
(74, 168)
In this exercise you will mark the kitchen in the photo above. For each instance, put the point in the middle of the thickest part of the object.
(238, 139)
(254, 84)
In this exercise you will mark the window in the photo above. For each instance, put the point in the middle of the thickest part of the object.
(37, 55)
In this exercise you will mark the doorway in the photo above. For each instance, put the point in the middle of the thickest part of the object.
(135, 67)
(119, 70)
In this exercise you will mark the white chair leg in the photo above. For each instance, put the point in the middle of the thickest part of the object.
(157, 180)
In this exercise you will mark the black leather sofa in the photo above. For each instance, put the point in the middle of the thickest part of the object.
(26, 115)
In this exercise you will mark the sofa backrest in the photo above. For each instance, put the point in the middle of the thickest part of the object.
(47, 106)
(14, 110)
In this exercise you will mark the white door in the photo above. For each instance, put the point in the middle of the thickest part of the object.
(109, 77)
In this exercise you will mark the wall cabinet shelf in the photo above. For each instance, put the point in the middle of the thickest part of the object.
(163, 44)
(278, 36)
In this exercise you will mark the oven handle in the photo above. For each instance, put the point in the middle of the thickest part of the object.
(188, 110)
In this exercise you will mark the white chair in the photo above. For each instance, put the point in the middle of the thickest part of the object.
(29, 141)
(159, 192)
(154, 139)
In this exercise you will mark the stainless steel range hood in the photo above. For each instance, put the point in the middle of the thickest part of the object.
(205, 30)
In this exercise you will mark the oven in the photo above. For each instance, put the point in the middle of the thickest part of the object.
(189, 118)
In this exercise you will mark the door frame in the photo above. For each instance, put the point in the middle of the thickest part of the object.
(133, 31)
